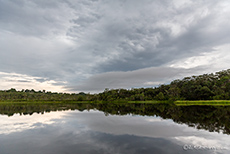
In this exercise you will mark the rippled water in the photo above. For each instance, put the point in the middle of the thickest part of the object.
(99, 130)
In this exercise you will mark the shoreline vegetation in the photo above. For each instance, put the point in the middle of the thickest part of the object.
(207, 89)
(177, 103)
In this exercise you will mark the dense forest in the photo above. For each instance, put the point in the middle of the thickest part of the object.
(214, 86)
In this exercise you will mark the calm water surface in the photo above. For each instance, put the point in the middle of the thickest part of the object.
(113, 129)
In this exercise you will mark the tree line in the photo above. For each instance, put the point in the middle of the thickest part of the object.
(32, 95)
(214, 86)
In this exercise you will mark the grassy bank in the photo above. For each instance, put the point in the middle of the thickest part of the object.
(178, 103)
(203, 102)
(66, 101)
(43, 102)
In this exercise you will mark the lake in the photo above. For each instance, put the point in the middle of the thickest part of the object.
(29, 128)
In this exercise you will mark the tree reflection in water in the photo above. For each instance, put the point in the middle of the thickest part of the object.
(211, 118)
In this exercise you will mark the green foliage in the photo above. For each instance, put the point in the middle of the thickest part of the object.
(32, 95)
(204, 102)
(202, 87)
(160, 96)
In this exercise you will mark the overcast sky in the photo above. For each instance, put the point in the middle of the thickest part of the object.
(90, 45)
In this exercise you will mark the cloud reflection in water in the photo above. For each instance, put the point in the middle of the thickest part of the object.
(93, 132)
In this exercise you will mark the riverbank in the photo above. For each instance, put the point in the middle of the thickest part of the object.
(203, 102)
(178, 103)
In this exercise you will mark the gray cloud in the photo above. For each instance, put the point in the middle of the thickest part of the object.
(148, 77)
(33, 18)
(68, 40)
(146, 46)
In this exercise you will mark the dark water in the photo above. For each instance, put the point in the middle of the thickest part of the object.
(113, 128)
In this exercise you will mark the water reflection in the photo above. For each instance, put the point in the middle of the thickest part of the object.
(141, 129)
(19, 123)
(211, 118)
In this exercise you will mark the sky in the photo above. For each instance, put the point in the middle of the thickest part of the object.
(89, 45)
